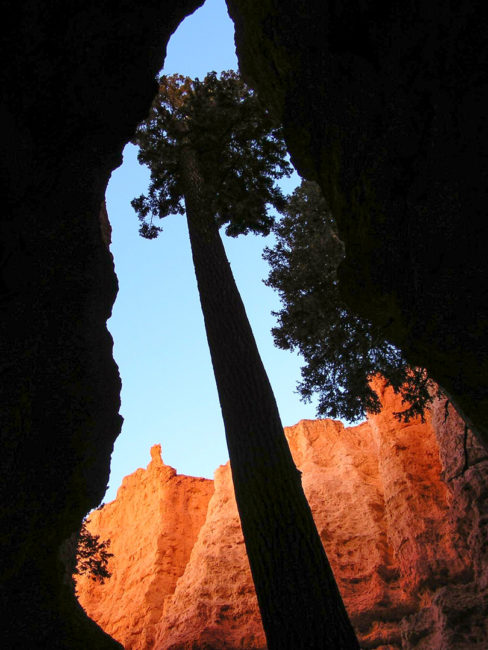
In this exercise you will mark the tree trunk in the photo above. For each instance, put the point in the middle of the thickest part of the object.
(300, 603)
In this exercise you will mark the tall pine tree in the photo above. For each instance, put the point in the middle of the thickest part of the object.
(215, 154)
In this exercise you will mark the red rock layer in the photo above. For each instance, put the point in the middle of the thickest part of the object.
(455, 615)
(214, 604)
(403, 518)
(152, 524)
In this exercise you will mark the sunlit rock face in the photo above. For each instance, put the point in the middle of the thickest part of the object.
(404, 532)
(456, 615)
(434, 534)
(153, 525)
(214, 604)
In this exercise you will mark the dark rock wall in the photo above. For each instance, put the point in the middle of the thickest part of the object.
(76, 79)
(384, 104)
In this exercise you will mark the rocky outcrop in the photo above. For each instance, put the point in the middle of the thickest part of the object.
(153, 525)
(408, 552)
(456, 615)
(214, 604)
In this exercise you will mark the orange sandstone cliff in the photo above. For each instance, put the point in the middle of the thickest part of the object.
(152, 524)
(402, 510)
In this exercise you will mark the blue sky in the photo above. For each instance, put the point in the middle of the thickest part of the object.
(168, 391)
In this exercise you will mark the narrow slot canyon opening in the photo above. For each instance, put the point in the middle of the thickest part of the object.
(168, 391)
(168, 388)
(377, 490)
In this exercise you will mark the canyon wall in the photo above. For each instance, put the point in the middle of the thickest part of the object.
(153, 525)
(76, 79)
(402, 513)
(383, 103)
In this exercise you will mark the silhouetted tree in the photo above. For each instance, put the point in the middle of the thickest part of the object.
(92, 555)
(341, 350)
(214, 152)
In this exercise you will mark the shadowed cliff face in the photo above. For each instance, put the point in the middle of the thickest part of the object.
(76, 79)
(384, 104)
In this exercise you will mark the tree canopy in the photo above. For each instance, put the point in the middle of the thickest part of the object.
(341, 350)
(240, 153)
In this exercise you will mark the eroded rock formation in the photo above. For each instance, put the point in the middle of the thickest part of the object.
(153, 525)
(405, 532)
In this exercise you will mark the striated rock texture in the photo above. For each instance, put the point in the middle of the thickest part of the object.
(153, 525)
(456, 616)
(408, 547)
(214, 604)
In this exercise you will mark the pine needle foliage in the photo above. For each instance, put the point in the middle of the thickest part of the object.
(240, 152)
(341, 350)
(92, 555)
